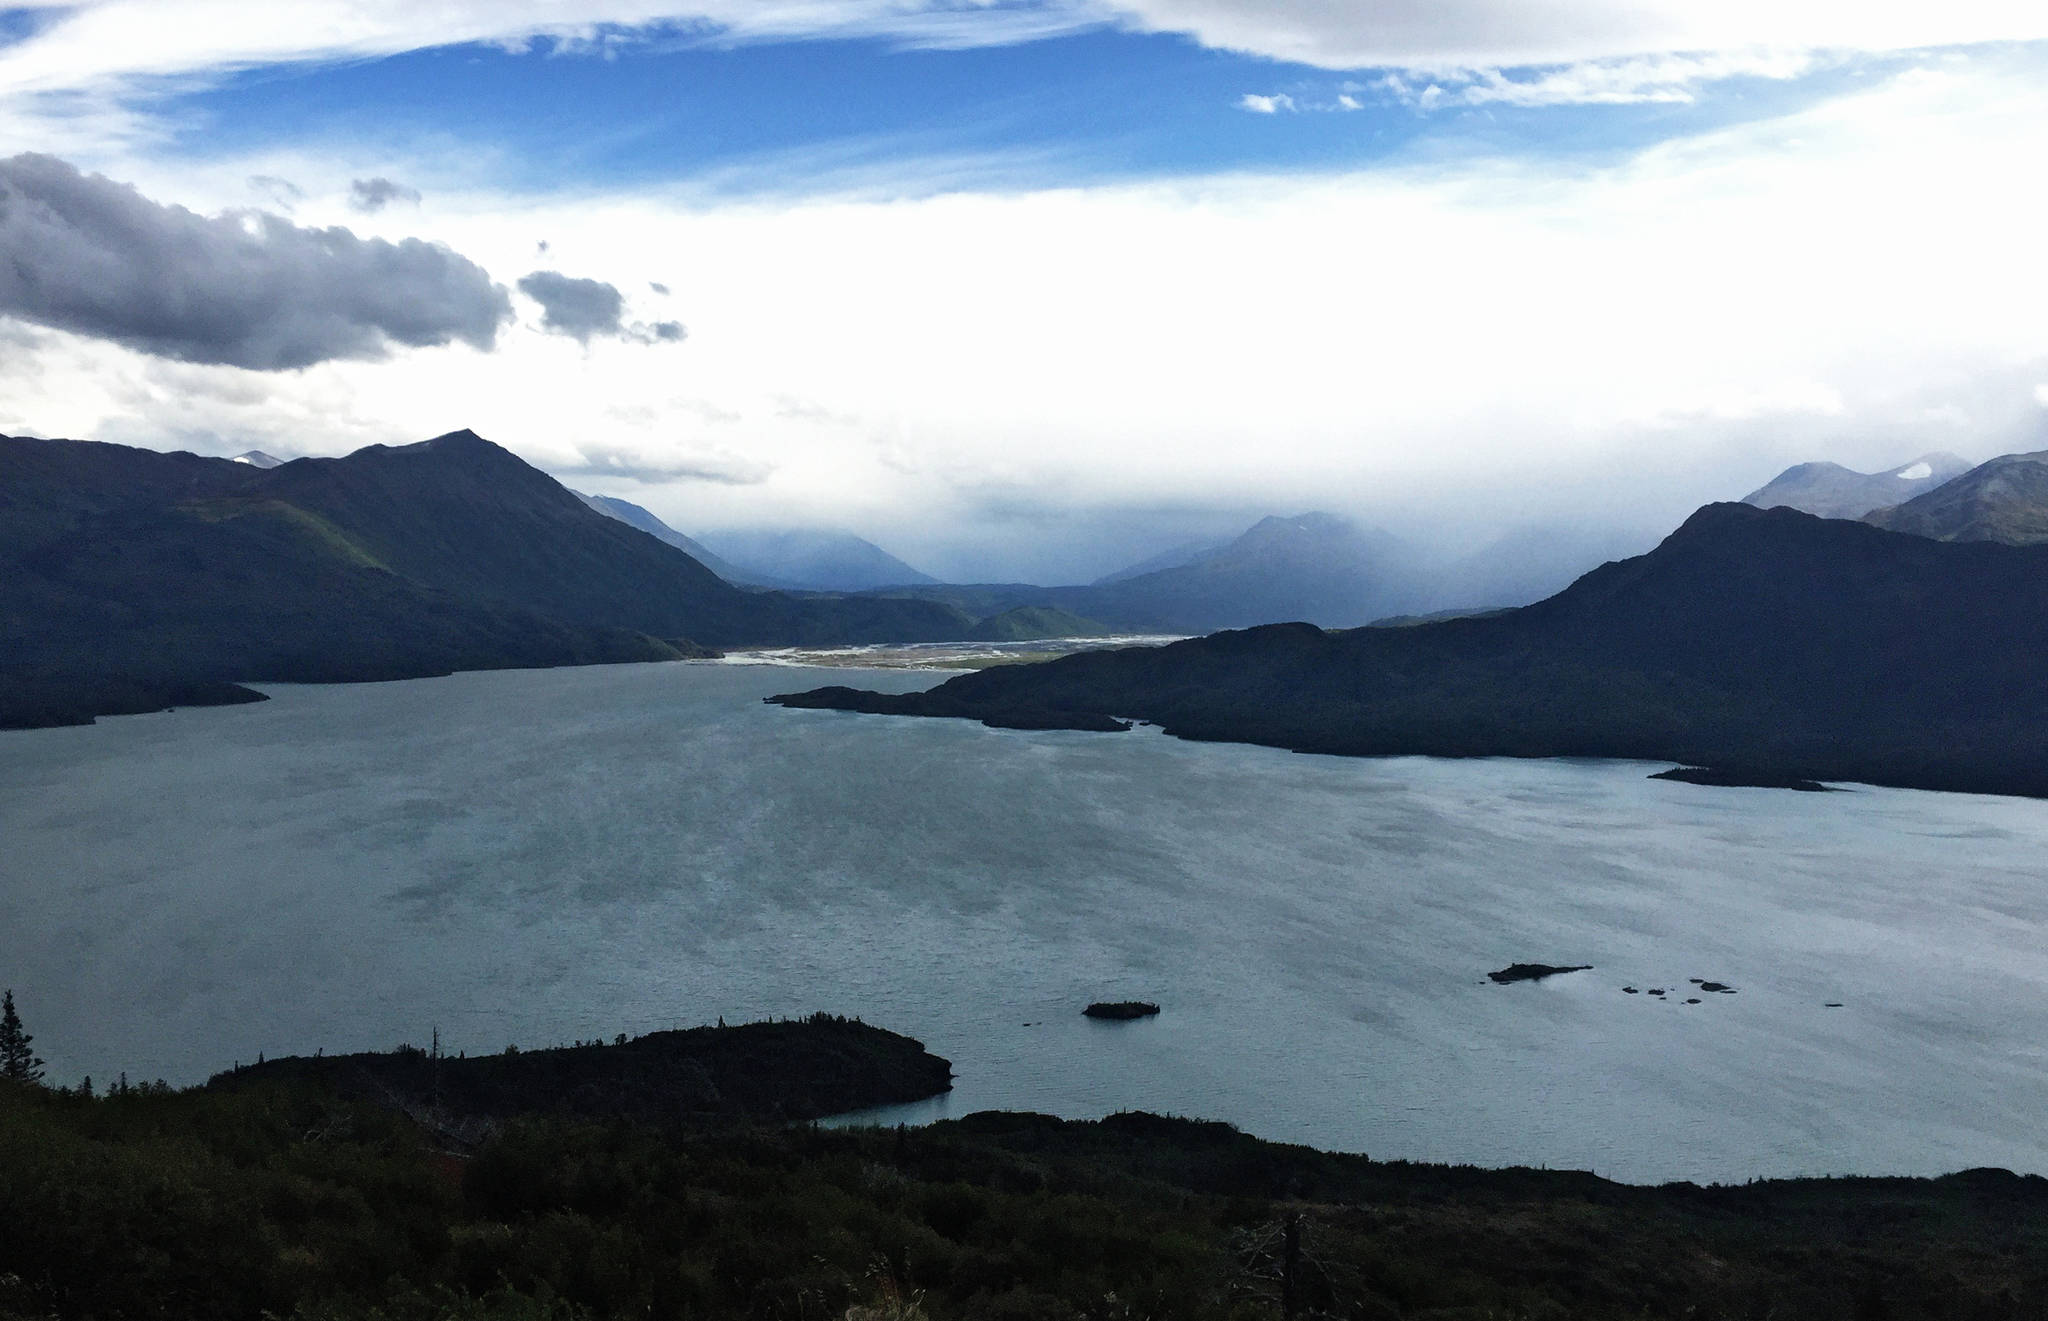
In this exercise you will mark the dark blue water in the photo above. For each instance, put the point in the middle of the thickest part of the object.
(539, 856)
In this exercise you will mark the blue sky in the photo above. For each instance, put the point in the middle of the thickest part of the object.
(1032, 288)
(1087, 107)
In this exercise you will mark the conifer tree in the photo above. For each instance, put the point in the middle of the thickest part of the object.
(17, 1062)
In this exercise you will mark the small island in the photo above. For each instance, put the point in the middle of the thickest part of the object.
(1533, 972)
(773, 1072)
(1121, 1010)
(1731, 779)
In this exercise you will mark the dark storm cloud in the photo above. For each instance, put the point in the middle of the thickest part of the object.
(376, 194)
(574, 307)
(585, 309)
(85, 254)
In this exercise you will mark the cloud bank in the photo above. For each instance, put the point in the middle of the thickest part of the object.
(93, 75)
(243, 289)
(1439, 337)
(94, 41)
(1469, 34)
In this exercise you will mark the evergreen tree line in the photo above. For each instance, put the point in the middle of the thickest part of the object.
(18, 1060)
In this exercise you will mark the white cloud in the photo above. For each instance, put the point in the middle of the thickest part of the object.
(1667, 79)
(83, 70)
(2041, 394)
(94, 41)
(1450, 34)
(84, 81)
(95, 79)
(1644, 79)
(1860, 282)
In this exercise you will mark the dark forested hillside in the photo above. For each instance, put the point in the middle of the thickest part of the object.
(1750, 639)
(131, 579)
(275, 1199)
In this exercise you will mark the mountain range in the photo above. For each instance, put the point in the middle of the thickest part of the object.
(2004, 500)
(1829, 490)
(796, 560)
(1310, 566)
(1937, 495)
(131, 579)
(813, 560)
(1173, 557)
(1326, 570)
(1313, 567)
(633, 515)
(1761, 642)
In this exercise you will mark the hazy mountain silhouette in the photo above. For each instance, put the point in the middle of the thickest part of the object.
(1829, 490)
(1751, 640)
(462, 514)
(125, 572)
(2003, 500)
(1528, 565)
(633, 515)
(1315, 567)
(814, 561)
(1171, 558)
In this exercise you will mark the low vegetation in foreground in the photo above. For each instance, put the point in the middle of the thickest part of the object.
(270, 1194)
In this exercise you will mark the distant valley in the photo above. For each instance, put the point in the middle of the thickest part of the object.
(141, 579)
(1760, 641)
(1314, 567)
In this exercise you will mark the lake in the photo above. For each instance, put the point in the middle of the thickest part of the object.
(537, 856)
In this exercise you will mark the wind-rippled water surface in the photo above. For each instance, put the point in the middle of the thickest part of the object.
(538, 856)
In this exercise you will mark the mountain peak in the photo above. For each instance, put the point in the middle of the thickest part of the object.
(1829, 490)
(258, 459)
(464, 439)
(1313, 521)
(1728, 513)
(2004, 499)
